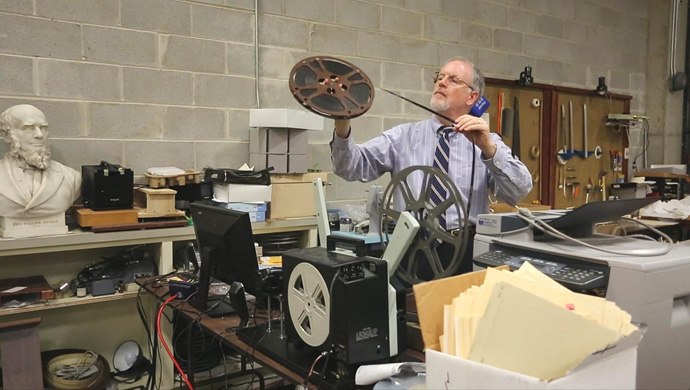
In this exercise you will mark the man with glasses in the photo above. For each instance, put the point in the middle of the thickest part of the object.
(457, 86)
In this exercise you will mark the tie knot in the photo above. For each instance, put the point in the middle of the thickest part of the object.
(444, 131)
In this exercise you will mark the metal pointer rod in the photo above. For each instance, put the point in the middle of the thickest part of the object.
(420, 106)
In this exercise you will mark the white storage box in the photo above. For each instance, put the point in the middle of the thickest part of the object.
(283, 117)
(228, 193)
(613, 368)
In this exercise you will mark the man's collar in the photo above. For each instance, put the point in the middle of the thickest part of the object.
(435, 122)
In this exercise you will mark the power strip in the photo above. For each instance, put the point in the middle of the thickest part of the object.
(181, 288)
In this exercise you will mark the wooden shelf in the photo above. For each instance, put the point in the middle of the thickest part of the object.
(78, 239)
(666, 175)
(68, 302)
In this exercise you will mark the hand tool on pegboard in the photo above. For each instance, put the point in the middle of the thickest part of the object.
(516, 128)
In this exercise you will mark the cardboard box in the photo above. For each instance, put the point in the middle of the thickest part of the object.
(282, 163)
(293, 195)
(612, 369)
(246, 207)
(257, 216)
(677, 169)
(615, 367)
(229, 193)
(284, 149)
(268, 141)
(281, 139)
(630, 190)
(256, 211)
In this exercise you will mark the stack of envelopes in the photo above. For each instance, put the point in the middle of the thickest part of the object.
(525, 322)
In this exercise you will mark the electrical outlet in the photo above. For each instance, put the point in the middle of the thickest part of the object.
(626, 153)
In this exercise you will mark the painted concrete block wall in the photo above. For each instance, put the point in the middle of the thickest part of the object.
(169, 82)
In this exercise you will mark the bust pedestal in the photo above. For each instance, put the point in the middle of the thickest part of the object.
(33, 227)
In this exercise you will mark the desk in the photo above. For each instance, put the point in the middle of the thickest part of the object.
(218, 328)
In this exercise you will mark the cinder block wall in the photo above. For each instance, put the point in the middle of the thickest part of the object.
(169, 82)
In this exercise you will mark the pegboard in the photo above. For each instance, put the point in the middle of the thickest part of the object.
(574, 175)
(542, 138)
(528, 104)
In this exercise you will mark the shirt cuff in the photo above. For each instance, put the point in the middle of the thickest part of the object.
(340, 143)
(499, 160)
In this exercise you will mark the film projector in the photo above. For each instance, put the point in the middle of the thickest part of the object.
(341, 306)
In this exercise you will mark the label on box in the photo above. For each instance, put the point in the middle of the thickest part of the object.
(246, 206)
(257, 216)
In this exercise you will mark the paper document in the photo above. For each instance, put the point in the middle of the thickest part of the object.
(672, 209)
(12, 290)
(370, 374)
(517, 334)
(165, 171)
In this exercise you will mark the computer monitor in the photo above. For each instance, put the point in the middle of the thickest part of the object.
(227, 251)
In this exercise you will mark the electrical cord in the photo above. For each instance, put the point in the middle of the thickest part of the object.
(325, 368)
(152, 342)
(151, 339)
(75, 371)
(162, 340)
(469, 197)
(332, 350)
(253, 346)
(311, 370)
(527, 216)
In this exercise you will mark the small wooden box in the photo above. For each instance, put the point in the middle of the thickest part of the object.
(90, 218)
(190, 176)
(155, 203)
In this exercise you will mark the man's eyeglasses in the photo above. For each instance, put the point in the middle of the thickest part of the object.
(452, 80)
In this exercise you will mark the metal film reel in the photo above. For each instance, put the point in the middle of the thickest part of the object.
(309, 302)
(331, 87)
(424, 246)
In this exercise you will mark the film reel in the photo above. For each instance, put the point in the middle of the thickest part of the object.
(424, 246)
(331, 87)
(309, 303)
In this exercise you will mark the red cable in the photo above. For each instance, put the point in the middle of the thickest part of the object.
(160, 336)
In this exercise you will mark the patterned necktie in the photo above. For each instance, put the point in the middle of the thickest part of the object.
(438, 191)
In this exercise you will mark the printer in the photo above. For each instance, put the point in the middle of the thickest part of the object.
(654, 289)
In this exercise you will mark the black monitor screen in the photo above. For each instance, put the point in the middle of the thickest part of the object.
(227, 249)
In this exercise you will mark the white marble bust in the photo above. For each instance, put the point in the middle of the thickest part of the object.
(31, 185)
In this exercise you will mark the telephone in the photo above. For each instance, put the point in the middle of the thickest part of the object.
(479, 107)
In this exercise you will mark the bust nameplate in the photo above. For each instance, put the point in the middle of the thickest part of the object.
(33, 227)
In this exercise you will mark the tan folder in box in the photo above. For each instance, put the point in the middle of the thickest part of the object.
(432, 296)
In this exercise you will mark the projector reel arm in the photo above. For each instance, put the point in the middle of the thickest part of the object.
(423, 247)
